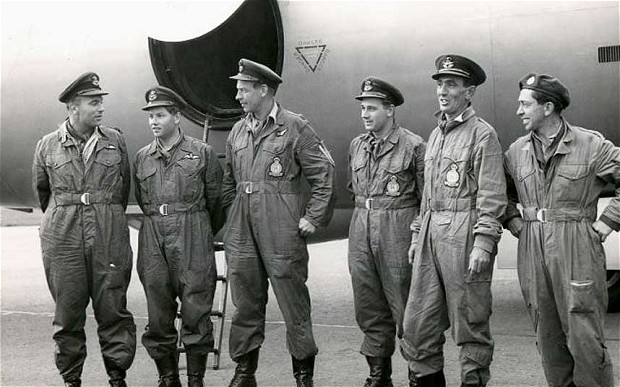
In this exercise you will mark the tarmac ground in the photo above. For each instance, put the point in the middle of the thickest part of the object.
(26, 347)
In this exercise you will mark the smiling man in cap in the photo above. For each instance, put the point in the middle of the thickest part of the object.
(386, 169)
(454, 239)
(82, 181)
(178, 185)
(269, 154)
(557, 172)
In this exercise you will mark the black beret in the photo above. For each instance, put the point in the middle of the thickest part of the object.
(548, 85)
(158, 96)
(373, 87)
(256, 72)
(86, 84)
(451, 64)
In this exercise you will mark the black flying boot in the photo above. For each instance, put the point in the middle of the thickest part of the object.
(73, 383)
(244, 372)
(303, 371)
(433, 380)
(117, 378)
(380, 372)
(196, 366)
(168, 370)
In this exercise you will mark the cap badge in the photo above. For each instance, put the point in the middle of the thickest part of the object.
(530, 81)
(447, 63)
(275, 169)
(240, 68)
(368, 85)
(94, 80)
(393, 187)
(453, 177)
(152, 95)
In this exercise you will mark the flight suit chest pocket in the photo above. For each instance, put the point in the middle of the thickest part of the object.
(276, 158)
(190, 166)
(189, 177)
(358, 175)
(106, 166)
(144, 175)
(59, 168)
(571, 182)
(240, 144)
(57, 161)
(397, 179)
(108, 156)
(525, 181)
(455, 170)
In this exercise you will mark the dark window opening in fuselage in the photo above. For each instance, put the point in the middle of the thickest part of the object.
(199, 68)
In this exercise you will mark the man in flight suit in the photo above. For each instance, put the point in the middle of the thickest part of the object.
(557, 172)
(386, 167)
(455, 237)
(81, 178)
(267, 154)
(178, 186)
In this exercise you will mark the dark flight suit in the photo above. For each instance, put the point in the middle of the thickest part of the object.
(387, 190)
(561, 261)
(180, 198)
(263, 187)
(464, 195)
(85, 244)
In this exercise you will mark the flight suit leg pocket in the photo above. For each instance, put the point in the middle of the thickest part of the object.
(478, 295)
(581, 296)
(116, 277)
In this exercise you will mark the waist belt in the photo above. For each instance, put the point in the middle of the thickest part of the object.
(454, 205)
(166, 209)
(385, 202)
(250, 187)
(535, 214)
(85, 198)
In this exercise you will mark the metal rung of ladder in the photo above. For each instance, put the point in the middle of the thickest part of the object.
(219, 313)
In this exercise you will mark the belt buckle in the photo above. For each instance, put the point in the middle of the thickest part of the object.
(163, 210)
(541, 215)
(248, 188)
(368, 204)
(85, 198)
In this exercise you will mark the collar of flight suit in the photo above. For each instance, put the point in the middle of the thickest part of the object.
(273, 114)
(181, 143)
(63, 134)
(278, 120)
(387, 142)
(563, 146)
(465, 115)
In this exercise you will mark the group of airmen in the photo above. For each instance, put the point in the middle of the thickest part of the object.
(422, 239)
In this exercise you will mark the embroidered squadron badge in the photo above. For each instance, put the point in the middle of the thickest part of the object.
(393, 187)
(275, 169)
(447, 63)
(453, 178)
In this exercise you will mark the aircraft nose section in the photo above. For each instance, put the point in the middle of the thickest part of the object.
(199, 68)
